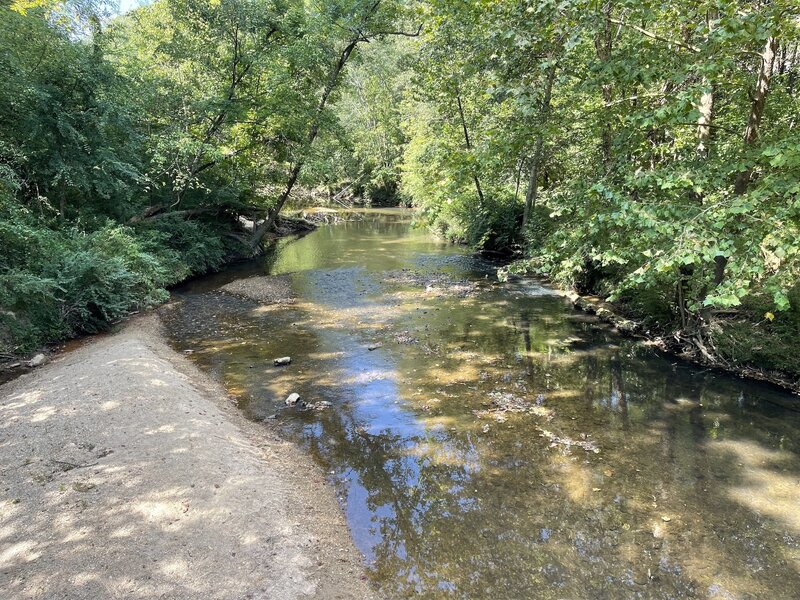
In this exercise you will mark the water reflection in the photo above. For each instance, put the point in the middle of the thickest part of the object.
(498, 444)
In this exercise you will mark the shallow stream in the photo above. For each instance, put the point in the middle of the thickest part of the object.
(488, 441)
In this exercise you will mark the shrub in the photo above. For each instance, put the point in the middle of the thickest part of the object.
(56, 283)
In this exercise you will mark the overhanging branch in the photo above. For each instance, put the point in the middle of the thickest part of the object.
(400, 33)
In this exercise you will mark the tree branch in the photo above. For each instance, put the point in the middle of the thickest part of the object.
(402, 33)
(710, 126)
(654, 36)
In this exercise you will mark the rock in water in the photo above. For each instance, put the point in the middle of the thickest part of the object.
(374, 346)
(321, 405)
(283, 361)
(292, 399)
(38, 360)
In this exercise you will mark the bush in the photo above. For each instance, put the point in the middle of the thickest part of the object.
(495, 226)
(383, 187)
(57, 283)
(186, 247)
(748, 337)
(70, 282)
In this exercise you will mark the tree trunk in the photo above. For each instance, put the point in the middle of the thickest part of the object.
(791, 76)
(603, 43)
(706, 108)
(62, 201)
(469, 147)
(238, 72)
(757, 106)
(538, 153)
(359, 36)
(266, 225)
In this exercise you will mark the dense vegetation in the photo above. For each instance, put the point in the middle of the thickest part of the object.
(646, 152)
(131, 147)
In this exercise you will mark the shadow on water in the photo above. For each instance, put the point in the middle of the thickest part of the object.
(498, 444)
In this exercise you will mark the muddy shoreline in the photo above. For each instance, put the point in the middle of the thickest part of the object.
(130, 473)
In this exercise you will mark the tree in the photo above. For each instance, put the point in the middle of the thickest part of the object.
(338, 30)
(657, 139)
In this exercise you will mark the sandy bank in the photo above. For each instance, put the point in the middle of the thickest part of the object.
(127, 473)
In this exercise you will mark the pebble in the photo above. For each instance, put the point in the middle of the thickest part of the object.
(285, 360)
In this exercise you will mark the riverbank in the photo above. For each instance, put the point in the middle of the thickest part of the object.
(613, 315)
(128, 473)
(33, 330)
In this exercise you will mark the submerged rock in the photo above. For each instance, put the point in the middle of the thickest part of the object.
(374, 346)
(405, 338)
(568, 443)
(321, 405)
(436, 284)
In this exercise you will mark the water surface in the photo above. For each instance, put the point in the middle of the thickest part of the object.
(499, 444)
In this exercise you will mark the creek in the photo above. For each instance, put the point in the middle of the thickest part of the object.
(486, 440)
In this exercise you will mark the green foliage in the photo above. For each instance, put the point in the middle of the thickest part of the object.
(129, 146)
(648, 152)
(752, 335)
(61, 133)
(186, 247)
(371, 109)
(666, 148)
(56, 283)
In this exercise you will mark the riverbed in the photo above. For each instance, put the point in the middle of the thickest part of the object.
(487, 440)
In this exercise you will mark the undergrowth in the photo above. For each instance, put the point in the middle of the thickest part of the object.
(58, 281)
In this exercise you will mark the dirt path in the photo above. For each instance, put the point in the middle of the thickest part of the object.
(127, 473)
